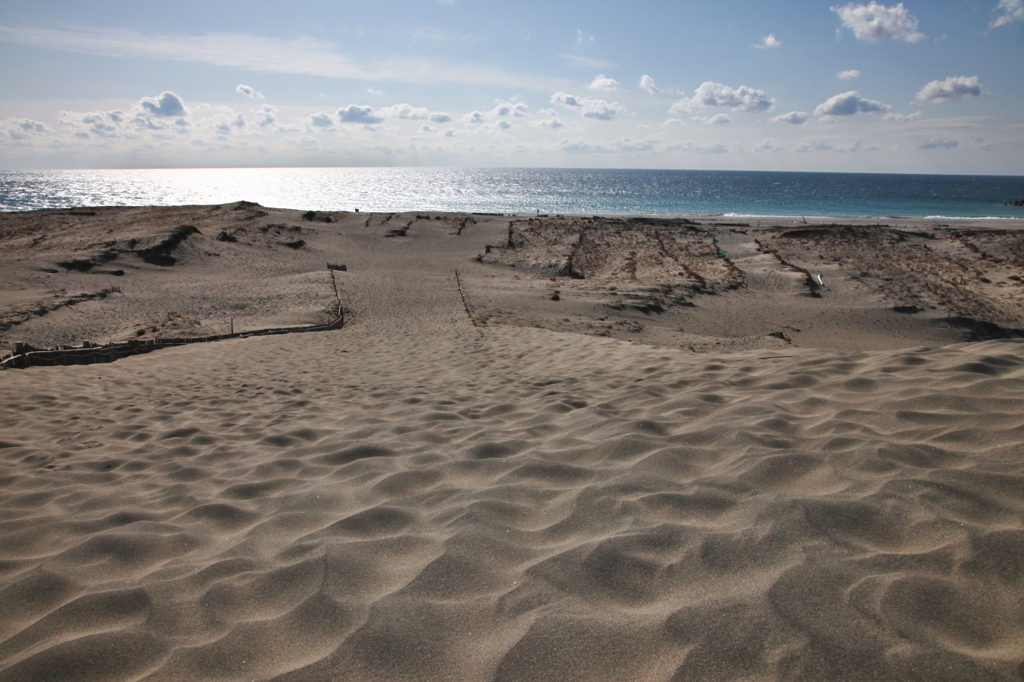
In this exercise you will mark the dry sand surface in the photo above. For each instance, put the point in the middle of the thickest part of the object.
(540, 449)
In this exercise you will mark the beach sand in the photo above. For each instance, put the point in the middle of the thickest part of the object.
(556, 448)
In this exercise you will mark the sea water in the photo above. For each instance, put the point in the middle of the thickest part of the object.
(520, 190)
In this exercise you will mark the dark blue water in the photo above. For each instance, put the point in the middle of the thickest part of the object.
(634, 192)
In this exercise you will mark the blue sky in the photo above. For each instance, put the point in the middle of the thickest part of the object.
(918, 86)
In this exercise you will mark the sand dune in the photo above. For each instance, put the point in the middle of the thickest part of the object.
(429, 495)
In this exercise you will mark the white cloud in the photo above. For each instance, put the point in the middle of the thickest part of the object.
(355, 113)
(601, 110)
(321, 120)
(165, 104)
(768, 41)
(504, 125)
(602, 82)
(566, 99)
(266, 116)
(902, 118)
(305, 55)
(248, 91)
(548, 124)
(515, 109)
(24, 128)
(712, 94)
(598, 109)
(681, 106)
(647, 85)
(717, 119)
(84, 125)
(874, 22)
(28, 125)
(848, 75)
(624, 145)
(1012, 11)
(793, 118)
(236, 121)
(374, 91)
(403, 111)
(952, 89)
(848, 104)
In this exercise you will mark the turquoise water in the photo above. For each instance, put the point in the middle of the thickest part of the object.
(576, 191)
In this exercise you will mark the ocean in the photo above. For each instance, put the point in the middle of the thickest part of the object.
(518, 190)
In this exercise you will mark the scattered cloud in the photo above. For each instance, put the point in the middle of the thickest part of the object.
(226, 125)
(902, 118)
(321, 120)
(355, 113)
(875, 22)
(624, 145)
(848, 75)
(712, 94)
(648, 86)
(514, 109)
(165, 104)
(1012, 11)
(403, 111)
(548, 124)
(717, 119)
(938, 143)
(248, 91)
(565, 99)
(768, 41)
(952, 89)
(602, 82)
(374, 91)
(848, 104)
(601, 110)
(266, 116)
(793, 118)
(24, 128)
(598, 109)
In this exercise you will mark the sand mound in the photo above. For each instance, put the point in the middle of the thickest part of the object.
(423, 495)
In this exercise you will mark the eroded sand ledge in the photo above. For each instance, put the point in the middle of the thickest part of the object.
(425, 495)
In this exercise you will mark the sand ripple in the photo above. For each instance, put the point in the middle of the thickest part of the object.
(587, 509)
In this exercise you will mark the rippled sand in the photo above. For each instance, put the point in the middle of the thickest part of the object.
(429, 495)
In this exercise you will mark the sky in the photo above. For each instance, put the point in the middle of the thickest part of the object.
(932, 86)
